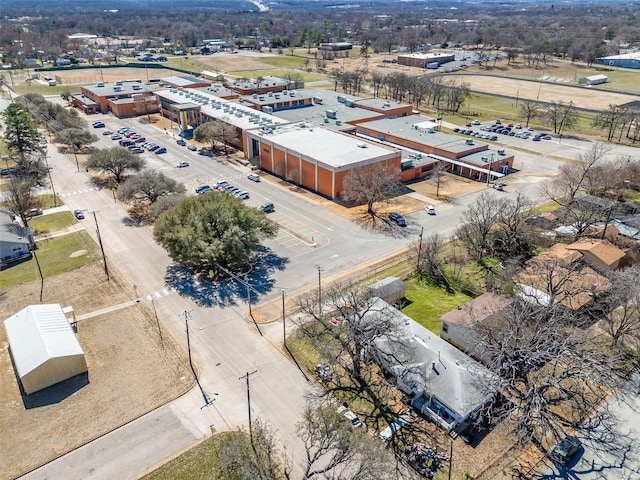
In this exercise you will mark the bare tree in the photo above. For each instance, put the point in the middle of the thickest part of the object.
(529, 111)
(427, 255)
(371, 184)
(335, 449)
(345, 331)
(560, 116)
(20, 197)
(479, 219)
(623, 302)
(439, 176)
(553, 375)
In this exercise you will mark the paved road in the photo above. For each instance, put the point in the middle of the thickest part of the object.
(224, 345)
(606, 455)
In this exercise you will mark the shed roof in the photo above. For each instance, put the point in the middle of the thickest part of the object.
(602, 250)
(38, 333)
(388, 286)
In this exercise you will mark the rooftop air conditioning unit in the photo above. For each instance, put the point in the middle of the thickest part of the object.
(484, 159)
(338, 122)
(362, 145)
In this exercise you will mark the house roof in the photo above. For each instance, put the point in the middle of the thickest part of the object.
(602, 250)
(11, 231)
(39, 333)
(574, 288)
(439, 368)
(558, 252)
(477, 310)
(388, 286)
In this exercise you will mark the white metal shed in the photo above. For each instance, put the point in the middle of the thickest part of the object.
(43, 346)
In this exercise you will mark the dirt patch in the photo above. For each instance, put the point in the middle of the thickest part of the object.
(234, 63)
(131, 371)
(110, 75)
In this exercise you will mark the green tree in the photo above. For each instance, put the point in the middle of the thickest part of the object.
(76, 138)
(211, 230)
(148, 186)
(23, 138)
(115, 161)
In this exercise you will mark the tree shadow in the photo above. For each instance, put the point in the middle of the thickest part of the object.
(228, 291)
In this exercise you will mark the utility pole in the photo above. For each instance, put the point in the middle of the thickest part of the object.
(39, 271)
(186, 322)
(284, 322)
(420, 249)
(246, 375)
(319, 288)
(104, 257)
(55, 203)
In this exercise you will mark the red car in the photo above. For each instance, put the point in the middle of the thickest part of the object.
(140, 140)
(130, 134)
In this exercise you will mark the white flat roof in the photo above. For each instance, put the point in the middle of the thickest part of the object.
(38, 333)
(327, 146)
(240, 116)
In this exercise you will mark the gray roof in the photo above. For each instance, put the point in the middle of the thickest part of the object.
(388, 286)
(119, 88)
(440, 369)
(218, 90)
(11, 231)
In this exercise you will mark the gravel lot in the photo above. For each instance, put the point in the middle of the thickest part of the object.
(131, 371)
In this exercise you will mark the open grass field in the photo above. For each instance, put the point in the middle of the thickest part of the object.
(55, 255)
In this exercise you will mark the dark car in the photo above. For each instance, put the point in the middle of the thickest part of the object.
(267, 207)
(181, 142)
(398, 219)
(565, 450)
(107, 132)
(160, 150)
(98, 125)
(79, 214)
(202, 189)
(126, 143)
(193, 148)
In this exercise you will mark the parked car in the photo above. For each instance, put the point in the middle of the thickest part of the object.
(563, 452)
(182, 164)
(140, 140)
(254, 177)
(220, 185)
(202, 189)
(430, 209)
(98, 125)
(349, 415)
(397, 219)
(499, 186)
(153, 148)
(475, 122)
(107, 132)
(116, 137)
(267, 207)
(123, 130)
(181, 142)
(193, 148)
(34, 212)
(79, 214)
(160, 150)
(126, 143)
(243, 194)
(205, 153)
(137, 150)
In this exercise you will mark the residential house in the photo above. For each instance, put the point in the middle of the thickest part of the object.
(457, 326)
(390, 289)
(558, 275)
(599, 254)
(15, 240)
(447, 385)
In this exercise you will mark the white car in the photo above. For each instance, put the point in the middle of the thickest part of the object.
(242, 194)
(430, 209)
(182, 164)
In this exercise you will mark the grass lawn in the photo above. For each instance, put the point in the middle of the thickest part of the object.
(54, 221)
(196, 463)
(55, 257)
(45, 90)
(283, 61)
(427, 303)
(47, 201)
